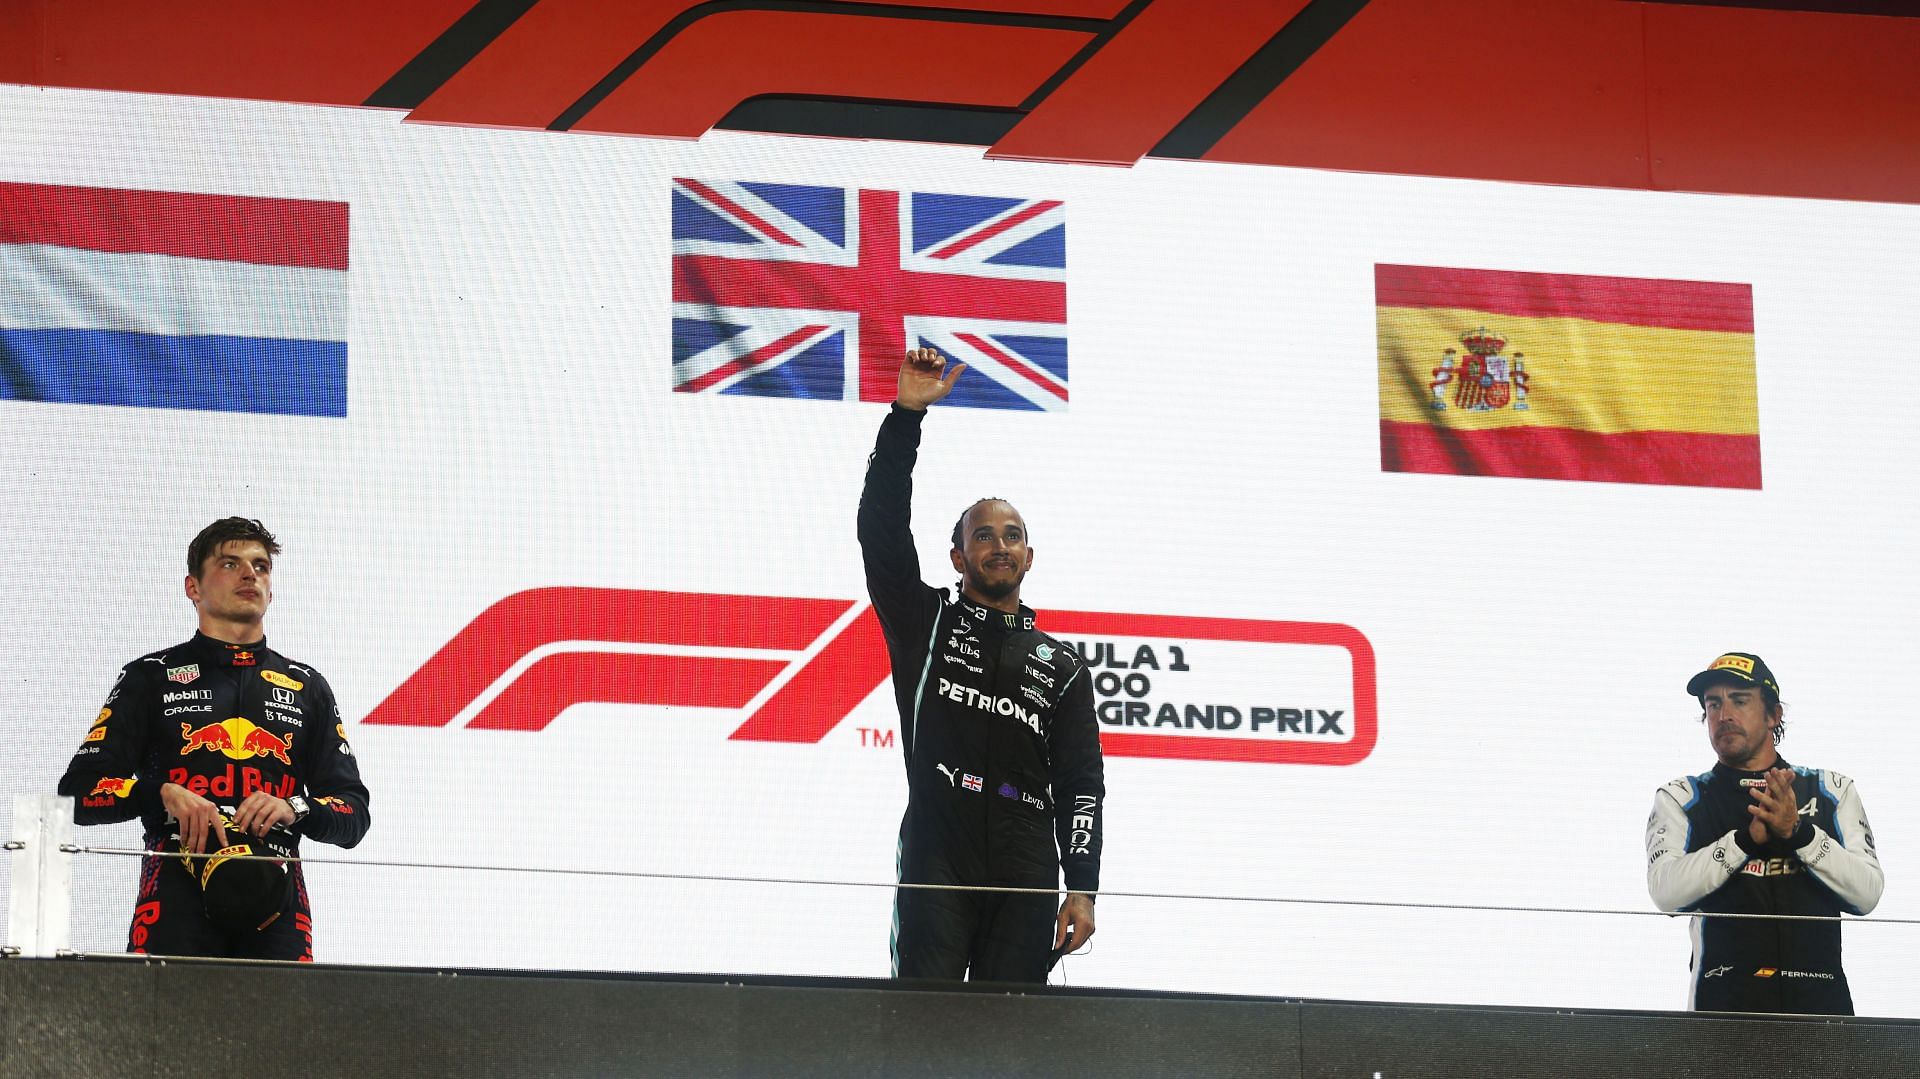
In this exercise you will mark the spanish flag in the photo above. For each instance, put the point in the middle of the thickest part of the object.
(1567, 377)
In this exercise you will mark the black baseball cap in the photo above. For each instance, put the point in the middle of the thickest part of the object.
(1734, 668)
(244, 885)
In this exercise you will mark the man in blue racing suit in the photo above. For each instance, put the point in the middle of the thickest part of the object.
(1756, 835)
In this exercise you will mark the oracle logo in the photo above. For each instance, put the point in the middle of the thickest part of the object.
(795, 667)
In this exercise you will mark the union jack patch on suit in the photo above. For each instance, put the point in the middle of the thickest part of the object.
(784, 290)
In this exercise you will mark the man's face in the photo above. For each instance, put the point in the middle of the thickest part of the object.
(235, 582)
(1739, 724)
(994, 557)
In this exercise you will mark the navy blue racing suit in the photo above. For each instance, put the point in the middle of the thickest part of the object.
(1700, 857)
(223, 721)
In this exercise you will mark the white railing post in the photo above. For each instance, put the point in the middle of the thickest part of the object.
(39, 922)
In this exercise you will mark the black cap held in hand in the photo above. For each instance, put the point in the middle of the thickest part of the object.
(244, 893)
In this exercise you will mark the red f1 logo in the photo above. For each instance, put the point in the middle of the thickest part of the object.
(796, 667)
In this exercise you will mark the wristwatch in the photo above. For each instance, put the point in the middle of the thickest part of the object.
(300, 808)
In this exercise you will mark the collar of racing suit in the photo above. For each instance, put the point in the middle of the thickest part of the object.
(1004, 621)
(229, 655)
(1720, 769)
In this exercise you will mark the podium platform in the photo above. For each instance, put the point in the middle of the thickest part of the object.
(198, 1018)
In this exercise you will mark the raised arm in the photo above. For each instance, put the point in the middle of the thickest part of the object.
(902, 600)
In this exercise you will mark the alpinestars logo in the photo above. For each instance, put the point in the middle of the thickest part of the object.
(794, 668)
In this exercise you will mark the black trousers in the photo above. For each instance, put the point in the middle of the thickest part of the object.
(980, 936)
(170, 918)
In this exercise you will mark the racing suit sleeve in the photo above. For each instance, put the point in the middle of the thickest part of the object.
(1846, 863)
(1079, 783)
(906, 604)
(104, 778)
(332, 777)
(1675, 879)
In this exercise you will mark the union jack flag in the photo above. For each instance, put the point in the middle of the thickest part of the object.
(783, 290)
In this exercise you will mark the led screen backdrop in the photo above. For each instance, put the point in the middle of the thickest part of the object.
(1393, 514)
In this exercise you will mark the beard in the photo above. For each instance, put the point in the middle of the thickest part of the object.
(995, 588)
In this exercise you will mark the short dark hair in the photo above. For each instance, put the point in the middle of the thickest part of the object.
(226, 530)
(960, 524)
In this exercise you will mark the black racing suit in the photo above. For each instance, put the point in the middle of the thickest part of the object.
(1002, 752)
(222, 721)
(1700, 857)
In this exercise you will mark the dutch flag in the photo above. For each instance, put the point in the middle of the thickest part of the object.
(161, 299)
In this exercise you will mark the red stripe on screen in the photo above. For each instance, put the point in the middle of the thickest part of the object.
(1675, 458)
(1634, 301)
(231, 228)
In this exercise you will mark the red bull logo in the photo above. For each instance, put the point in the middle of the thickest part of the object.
(211, 736)
(236, 738)
(119, 788)
(234, 782)
(106, 791)
(265, 743)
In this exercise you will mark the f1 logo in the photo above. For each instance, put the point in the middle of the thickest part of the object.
(1099, 81)
(795, 667)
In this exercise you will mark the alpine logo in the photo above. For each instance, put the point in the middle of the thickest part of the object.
(793, 668)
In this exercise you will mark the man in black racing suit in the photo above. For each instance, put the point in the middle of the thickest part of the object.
(216, 733)
(1756, 835)
(996, 719)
